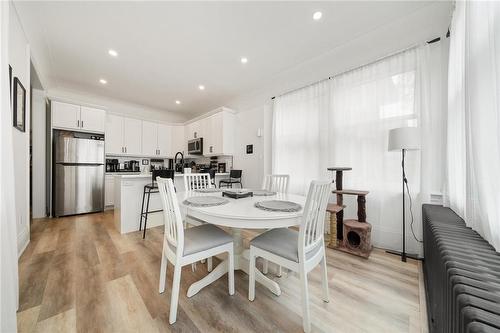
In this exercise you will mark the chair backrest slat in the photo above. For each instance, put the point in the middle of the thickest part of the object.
(312, 226)
(174, 228)
(235, 174)
(195, 181)
(276, 183)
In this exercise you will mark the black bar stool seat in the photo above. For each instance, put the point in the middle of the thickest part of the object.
(234, 178)
(148, 190)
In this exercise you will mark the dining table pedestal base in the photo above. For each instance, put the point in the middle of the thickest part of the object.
(241, 262)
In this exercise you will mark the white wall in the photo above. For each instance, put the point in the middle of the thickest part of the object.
(8, 244)
(38, 154)
(117, 106)
(255, 165)
(19, 59)
(247, 124)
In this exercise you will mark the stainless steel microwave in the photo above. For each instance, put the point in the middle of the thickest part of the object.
(195, 146)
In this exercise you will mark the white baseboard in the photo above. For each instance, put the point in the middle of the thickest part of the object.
(23, 239)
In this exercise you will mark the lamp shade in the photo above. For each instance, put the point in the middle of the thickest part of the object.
(407, 138)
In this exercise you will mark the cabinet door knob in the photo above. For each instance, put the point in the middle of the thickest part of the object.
(78, 123)
(82, 123)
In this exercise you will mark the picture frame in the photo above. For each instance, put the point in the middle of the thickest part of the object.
(249, 149)
(19, 105)
(10, 85)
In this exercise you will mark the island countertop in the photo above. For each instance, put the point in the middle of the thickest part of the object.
(148, 175)
(129, 192)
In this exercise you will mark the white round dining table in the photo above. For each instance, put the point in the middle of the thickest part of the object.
(240, 214)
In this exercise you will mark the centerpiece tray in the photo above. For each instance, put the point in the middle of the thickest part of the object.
(237, 194)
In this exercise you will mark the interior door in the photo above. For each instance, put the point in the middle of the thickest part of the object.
(114, 134)
(132, 136)
(165, 140)
(65, 115)
(92, 119)
(149, 138)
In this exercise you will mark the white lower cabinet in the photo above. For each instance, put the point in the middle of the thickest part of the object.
(109, 190)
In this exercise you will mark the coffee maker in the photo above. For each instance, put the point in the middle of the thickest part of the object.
(112, 165)
(134, 166)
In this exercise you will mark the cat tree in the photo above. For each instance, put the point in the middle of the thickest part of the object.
(352, 236)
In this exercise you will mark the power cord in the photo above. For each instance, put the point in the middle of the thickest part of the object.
(411, 211)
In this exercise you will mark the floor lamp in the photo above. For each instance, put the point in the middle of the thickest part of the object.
(403, 139)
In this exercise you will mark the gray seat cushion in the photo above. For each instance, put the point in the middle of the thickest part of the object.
(283, 242)
(204, 237)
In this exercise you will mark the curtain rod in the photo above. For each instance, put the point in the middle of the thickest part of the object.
(366, 64)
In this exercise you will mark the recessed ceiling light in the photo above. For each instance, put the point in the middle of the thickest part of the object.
(201, 87)
(103, 81)
(177, 102)
(112, 53)
(317, 16)
(244, 60)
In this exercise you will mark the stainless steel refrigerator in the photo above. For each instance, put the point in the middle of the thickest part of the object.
(78, 173)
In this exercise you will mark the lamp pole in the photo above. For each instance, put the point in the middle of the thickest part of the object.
(403, 255)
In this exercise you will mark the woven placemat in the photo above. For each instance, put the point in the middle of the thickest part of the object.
(208, 190)
(263, 193)
(278, 206)
(205, 201)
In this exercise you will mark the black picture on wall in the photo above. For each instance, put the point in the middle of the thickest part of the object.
(10, 84)
(19, 105)
(249, 149)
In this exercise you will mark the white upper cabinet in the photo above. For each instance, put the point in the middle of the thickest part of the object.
(123, 135)
(65, 115)
(92, 119)
(149, 138)
(164, 140)
(114, 135)
(178, 139)
(132, 136)
(193, 130)
(76, 117)
(156, 139)
(219, 134)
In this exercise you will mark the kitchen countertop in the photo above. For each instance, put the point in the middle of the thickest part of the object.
(148, 175)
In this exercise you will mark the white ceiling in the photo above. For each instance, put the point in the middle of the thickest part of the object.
(166, 49)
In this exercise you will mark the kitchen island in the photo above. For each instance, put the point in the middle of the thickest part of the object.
(128, 200)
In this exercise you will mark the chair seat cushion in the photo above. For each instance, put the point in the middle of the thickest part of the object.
(204, 237)
(282, 242)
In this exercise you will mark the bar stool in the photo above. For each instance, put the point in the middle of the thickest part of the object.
(234, 178)
(152, 188)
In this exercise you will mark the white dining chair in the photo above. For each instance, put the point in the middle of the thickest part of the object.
(186, 246)
(299, 251)
(196, 181)
(274, 183)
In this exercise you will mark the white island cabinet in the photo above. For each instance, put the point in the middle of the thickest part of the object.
(128, 200)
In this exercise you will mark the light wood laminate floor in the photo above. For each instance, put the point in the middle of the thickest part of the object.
(78, 274)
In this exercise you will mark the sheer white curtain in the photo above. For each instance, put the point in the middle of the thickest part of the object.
(473, 169)
(366, 104)
(300, 135)
(345, 121)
